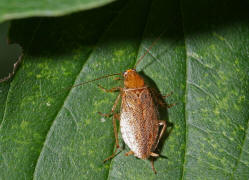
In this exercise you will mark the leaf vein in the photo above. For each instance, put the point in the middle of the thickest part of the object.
(241, 149)
(210, 164)
(73, 117)
(203, 90)
(198, 59)
(49, 133)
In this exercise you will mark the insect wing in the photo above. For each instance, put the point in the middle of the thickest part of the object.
(139, 122)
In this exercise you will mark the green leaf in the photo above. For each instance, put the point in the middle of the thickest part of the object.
(15, 9)
(217, 91)
(51, 132)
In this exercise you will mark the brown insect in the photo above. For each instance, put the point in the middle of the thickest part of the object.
(139, 117)
(139, 121)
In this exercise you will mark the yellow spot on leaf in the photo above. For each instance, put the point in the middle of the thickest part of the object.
(24, 124)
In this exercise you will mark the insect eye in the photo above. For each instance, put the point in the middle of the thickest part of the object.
(124, 73)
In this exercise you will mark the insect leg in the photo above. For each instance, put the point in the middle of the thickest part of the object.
(152, 165)
(154, 154)
(109, 90)
(163, 104)
(114, 121)
(116, 101)
(167, 95)
(129, 153)
(114, 128)
(118, 78)
(170, 105)
(158, 97)
(116, 139)
(161, 123)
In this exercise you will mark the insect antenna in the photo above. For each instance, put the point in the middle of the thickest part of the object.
(151, 46)
(83, 83)
(102, 77)
(109, 75)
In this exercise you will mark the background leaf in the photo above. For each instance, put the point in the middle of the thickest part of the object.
(48, 132)
(217, 91)
(13, 9)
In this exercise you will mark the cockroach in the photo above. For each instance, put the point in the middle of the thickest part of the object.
(139, 123)
(139, 117)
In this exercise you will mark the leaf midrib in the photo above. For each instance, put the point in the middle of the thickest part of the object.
(138, 50)
(63, 104)
(55, 117)
(184, 157)
(186, 89)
